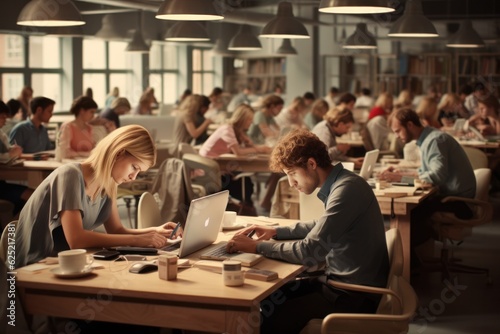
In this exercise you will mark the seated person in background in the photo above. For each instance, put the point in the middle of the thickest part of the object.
(332, 97)
(242, 98)
(444, 165)
(75, 138)
(346, 101)
(113, 95)
(118, 107)
(464, 91)
(232, 138)
(348, 237)
(292, 116)
(147, 102)
(14, 116)
(309, 99)
(78, 197)
(365, 100)
(486, 119)
(14, 193)
(264, 129)
(336, 123)
(404, 100)
(190, 123)
(427, 110)
(25, 100)
(471, 101)
(316, 114)
(214, 111)
(382, 107)
(30, 134)
(450, 109)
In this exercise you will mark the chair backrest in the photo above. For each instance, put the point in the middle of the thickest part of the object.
(148, 211)
(211, 178)
(387, 304)
(477, 158)
(4, 240)
(483, 177)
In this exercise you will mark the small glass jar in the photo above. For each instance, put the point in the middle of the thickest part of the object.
(231, 273)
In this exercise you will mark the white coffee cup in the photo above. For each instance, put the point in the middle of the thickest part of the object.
(74, 261)
(229, 219)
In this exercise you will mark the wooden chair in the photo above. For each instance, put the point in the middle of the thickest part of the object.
(396, 307)
(477, 158)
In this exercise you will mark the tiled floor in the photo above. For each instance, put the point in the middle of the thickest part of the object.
(470, 305)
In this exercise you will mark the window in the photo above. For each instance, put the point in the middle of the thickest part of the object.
(34, 61)
(164, 73)
(106, 65)
(203, 70)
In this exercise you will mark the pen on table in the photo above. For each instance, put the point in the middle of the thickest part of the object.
(250, 235)
(174, 231)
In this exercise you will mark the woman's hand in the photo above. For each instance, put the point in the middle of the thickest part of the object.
(167, 229)
(151, 239)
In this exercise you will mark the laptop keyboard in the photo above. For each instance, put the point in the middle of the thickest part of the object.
(218, 252)
(169, 248)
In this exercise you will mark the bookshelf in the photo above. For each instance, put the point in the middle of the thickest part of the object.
(261, 74)
(387, 77)
(482, 67)
(350, 73)
(418, 72)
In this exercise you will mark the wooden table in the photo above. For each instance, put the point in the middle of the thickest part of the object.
(32, 171)
(197, 300)
(480, 144)
(249, 163)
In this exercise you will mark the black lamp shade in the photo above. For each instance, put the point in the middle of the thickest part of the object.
(50, 13)
(284, 25)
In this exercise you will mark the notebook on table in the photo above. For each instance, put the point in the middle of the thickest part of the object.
(202, 227)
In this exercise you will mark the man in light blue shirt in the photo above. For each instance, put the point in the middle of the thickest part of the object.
(444, 165)
(31, 135)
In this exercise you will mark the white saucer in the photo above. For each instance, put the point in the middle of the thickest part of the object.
(232, 228)
(61, 274)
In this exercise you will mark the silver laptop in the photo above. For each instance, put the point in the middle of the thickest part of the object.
(369, 164)
(202, 227)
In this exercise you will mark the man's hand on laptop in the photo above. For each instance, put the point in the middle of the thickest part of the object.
(391, 174)
(241, 242)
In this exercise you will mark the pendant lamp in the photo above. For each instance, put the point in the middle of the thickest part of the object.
(185, 31)
(355, 6)
(286, 48)
(413, 23)
(189, 10)
(360, 39)
(137, 44)
(465, 37)
(244, 40)
(50, 13)
(111, 29)
(284, 25)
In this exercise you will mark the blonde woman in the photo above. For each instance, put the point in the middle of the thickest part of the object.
(427, 110)
(450, 109)
(77, 198)
(382, 107)
(404, 100)
(264, 127)
(315, 115)
(232, 138)
(293, 115)
(336, 123)
(76, 137)
(118, 107)
(113, 95)
(190, 122)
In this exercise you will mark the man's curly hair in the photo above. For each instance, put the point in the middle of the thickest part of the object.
(294, 149)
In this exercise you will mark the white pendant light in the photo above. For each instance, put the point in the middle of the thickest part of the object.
(244, 40)
(286, 48)
(185, 31)
(49, 13)
(360, 39)
(284, 25)
(137, 44)
(189, 10)
(465, 37)
(413, 23)
(355, 6)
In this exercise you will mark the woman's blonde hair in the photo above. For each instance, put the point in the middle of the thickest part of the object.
(192, 104)
(383, 100)
(239, 117)
(448, 101)
(405, 99)
(132, 139)
(120, 102)
(427, 109)
(337, 115)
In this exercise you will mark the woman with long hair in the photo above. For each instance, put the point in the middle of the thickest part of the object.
(76, 198)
